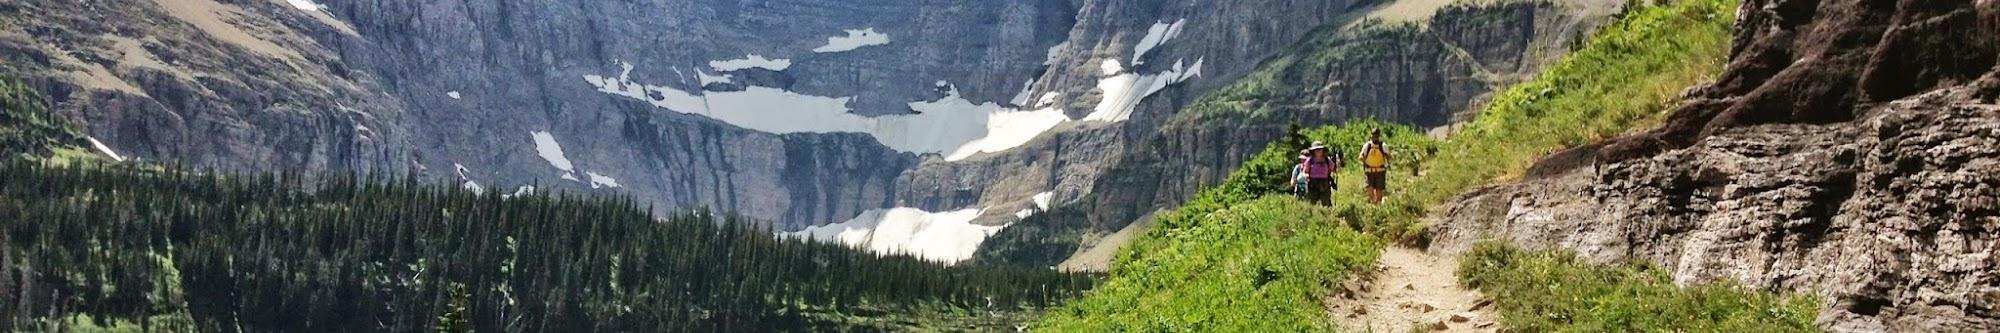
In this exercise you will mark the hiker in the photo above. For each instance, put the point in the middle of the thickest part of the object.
(1320, 168)
(1299, 174)
(1375, 164)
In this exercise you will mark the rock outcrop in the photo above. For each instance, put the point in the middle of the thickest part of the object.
(1851, 151)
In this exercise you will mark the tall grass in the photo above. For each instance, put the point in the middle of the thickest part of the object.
(1550, 291)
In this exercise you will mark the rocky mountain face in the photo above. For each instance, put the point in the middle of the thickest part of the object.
(680, 103)
(1851, 151)
(206, 83)
(800, 112)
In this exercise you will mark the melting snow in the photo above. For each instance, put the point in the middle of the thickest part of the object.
(1021, 98)
(452, 94)
(707, 79)
(524, 190)
(1055, 52)
(950, 125)
(751, 61)
(306, 5)
(946, 237)
(1123, 91)
(1048, 98)
(466, 181)
(597, 180)
(101, 148)
(1160, 33)
(1041, 205)
(546, 145)
(856, 38)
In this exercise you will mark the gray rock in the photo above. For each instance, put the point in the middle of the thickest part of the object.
(1888, 219)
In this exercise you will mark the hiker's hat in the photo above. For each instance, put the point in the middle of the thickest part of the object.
(1317, 146)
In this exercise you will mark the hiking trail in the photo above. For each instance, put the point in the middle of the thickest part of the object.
(1410, 290)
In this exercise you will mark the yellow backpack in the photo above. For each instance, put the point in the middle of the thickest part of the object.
(1375, 158)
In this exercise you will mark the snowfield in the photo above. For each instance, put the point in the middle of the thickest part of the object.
(855, 39)
(601, 181)
(546, 146)
(950, 125)
(946, 237)
(750, 61)
(1159, 34)
(1124, 90)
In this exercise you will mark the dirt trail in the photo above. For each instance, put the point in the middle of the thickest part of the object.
(1410, 290)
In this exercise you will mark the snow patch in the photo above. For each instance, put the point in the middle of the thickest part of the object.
(101, 148)
(452, 94)
(750, 61)
(570, 177)
(600, 181)
(1021, 98)
(855, 39)
(1003, 128)
(1048, 98)
(523, 190)
(670, 98)
(1159, 34)
(950, 125)
(1123, 91)
(946, 237)
(306, 5)
(1041, 205)
(707, 79)
(1055, 52)
(545, 145)
(466, 180)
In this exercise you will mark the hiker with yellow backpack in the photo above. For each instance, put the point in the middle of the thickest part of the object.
(1375, 165)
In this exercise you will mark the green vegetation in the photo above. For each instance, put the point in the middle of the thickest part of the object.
(28, 129)
(1260, 265)
(1550, 291)
(1043, 239)
(1201, 266)
(116, 246)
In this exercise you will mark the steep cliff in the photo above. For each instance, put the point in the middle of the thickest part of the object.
(236, 85)
(1848, 151)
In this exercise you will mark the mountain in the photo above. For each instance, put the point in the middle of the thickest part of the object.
(795, 113)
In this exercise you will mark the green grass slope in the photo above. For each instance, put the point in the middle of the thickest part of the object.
(1259, 265)
(1549, 291)
(1236, 259)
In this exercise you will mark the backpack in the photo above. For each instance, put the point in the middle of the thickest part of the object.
(1375, 158)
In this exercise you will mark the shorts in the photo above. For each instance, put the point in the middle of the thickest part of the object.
(1320, 190)
(1378, 180)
